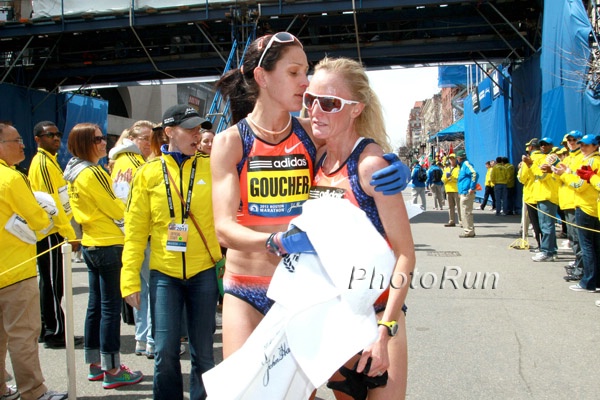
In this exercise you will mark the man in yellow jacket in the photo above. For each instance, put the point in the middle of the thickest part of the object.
(545, 193)
(450, 179)
(19, 293)
(46, 175)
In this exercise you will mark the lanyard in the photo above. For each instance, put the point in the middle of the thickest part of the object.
(188, 200)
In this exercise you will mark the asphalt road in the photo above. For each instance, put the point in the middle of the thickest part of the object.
(522, 334)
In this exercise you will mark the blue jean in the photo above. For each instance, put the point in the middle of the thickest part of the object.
(548, 245)
(167, 297)
(143, 320)
(573, 236)
(590, 248)
(102, 340)
(501, 194)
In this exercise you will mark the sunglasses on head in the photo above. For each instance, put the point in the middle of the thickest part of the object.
(99, 139)
(328, 104)
(51, 135)
(279, 37)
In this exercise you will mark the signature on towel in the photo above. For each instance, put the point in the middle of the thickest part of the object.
(282, 351)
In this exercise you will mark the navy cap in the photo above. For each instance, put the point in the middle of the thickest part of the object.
(184, 116)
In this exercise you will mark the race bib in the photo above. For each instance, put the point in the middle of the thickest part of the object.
(177, 236)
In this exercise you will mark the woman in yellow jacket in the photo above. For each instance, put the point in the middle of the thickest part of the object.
(171, 202)
(100, 214)
(586, 210)
(131, 152)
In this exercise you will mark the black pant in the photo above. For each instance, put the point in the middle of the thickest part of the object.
(50, 269)
(535, 222)
(489, 192)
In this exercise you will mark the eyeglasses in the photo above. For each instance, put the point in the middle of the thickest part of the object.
(328, 104)
(19, 140)
(279, 37)
(99, 139)
(51, 135)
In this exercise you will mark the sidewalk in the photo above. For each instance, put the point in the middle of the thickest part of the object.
(524, 339)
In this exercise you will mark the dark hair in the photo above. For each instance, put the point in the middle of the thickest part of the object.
(505, 160)
(38, 129)
(239, 85)
(81, 141)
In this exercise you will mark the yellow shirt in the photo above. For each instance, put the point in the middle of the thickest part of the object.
(450, 179)
(46, 176)
(18, 257)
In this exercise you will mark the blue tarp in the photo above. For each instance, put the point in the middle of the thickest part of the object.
(454, 75)
(564, 64)
(453, 132)
(487, 133)
(25, 107)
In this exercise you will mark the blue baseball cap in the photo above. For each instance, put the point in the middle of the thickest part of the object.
(575, 134)
(547, 140)
(589, 139)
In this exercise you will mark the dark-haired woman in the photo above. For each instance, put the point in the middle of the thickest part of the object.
(100, 214)
(262, 169)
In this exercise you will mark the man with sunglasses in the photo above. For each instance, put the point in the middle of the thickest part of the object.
(46, 175)
(19, 294)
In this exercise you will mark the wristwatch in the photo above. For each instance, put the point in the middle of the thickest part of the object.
(392, 327)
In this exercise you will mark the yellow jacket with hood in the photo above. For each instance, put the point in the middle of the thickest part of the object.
(18, 257)
(148, 214)
(94, 203)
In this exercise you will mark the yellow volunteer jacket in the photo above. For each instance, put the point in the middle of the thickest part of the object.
(595, 182)
(450, 179)
(525, 176)
(94, 203)
(586, 194)
(545, 184)
(488, 178)
(510, 175)
(498, 175)
(148, 214)
(46, 176)
(566, 194)
(16, 197)
(125, 161)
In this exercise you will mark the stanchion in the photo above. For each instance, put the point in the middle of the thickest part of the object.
(523, 243)
(69, 330)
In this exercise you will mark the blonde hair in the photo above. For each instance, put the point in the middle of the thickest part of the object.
(137, 128)
(370, 122)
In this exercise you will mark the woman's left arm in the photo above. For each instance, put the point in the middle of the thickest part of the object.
(392, 212)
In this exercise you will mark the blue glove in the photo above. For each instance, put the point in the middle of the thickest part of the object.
(295, 241)
(393, 179)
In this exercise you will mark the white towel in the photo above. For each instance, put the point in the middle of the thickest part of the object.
(323, 312)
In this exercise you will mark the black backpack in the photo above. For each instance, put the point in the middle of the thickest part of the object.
(422, 175)
(436, 175)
